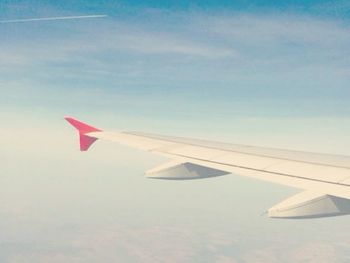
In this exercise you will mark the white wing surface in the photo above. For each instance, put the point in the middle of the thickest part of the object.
(325, 179)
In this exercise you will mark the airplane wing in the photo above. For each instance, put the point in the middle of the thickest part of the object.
(324, 178)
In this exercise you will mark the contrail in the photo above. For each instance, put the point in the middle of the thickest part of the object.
(50, 18)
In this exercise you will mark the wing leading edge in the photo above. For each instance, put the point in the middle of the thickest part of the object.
(326, 176)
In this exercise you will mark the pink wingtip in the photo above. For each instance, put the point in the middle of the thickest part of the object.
(83, 128)
(86, 142)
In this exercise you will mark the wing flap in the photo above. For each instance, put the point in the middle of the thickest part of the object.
(246, 160)
(138, 142)
(312, 171)
(193, 152)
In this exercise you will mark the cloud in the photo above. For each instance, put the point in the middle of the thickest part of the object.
(283, 29)
(152, 243)
(251, 63)
(225, 259)
(164, 43)
(118, 244)
(317, 252)
(86, 45)
(225, 46)
(207, 36)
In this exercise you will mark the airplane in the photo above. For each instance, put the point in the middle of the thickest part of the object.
(324, 178)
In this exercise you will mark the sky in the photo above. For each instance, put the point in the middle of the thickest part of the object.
(267, 73)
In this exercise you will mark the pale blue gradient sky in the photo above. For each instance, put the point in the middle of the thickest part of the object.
(258, 73)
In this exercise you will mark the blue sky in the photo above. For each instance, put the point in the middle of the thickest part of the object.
(273, 73)
(251, 60)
